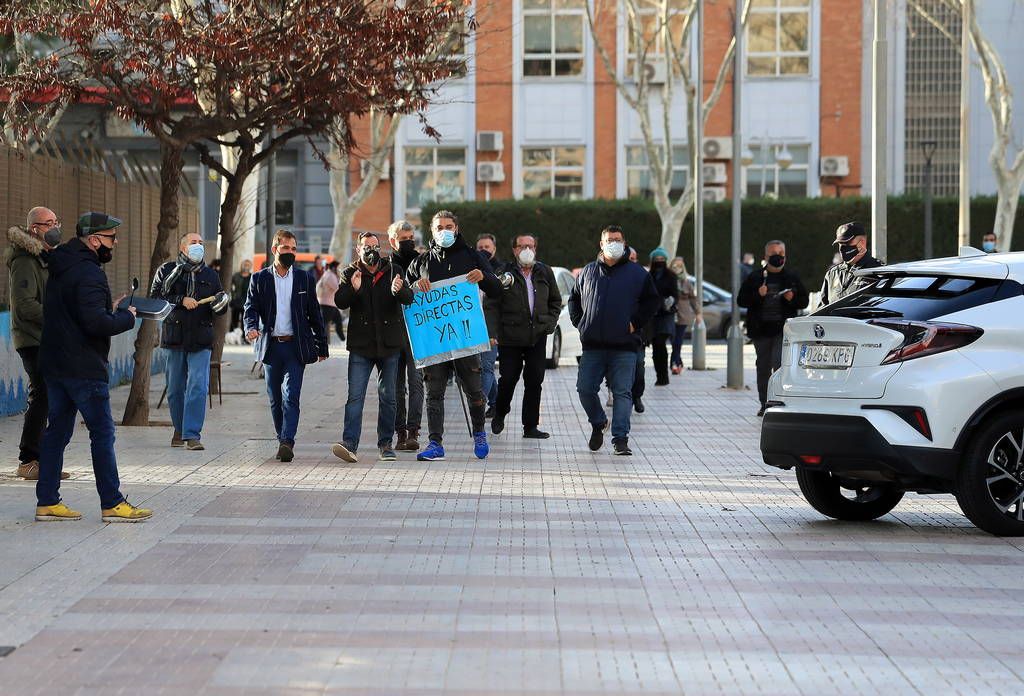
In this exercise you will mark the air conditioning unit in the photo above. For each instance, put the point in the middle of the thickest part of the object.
(835, 166)
(490, 172)
(714, 194)
(713, 173)
(490, 141)
(364, 169)
(718, 148)
(656, 72)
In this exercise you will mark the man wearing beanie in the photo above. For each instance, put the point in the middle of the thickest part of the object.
(661, 328)
(853, 248)
(78, 321)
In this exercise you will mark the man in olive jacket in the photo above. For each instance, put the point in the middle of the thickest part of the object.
(373, 290)
(26, 264)
(521, 318)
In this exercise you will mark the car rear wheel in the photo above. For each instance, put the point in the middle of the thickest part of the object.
(556, 350)
(843, 500)
(990, 485)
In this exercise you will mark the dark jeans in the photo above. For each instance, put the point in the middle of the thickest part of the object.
(435, 378)
(236, 317)
(769, 359)
(618, 367)
(659, 350)
(487, 380)
(677, 344)
(35, 416)
(91, 398)
(359, 369)
(530, 363)
(333, 315)
(283, 371)
(408, 373)
(639, 382)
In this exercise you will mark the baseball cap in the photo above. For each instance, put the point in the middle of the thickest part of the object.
(847, 231)
(91, 223)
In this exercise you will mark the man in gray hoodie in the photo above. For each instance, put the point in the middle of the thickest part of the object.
(26, 264)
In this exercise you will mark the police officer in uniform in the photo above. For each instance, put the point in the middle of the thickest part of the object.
(853, 248)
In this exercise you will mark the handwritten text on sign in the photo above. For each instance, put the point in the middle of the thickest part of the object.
(446, 322)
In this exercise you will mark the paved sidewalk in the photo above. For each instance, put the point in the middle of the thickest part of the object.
(545, 569)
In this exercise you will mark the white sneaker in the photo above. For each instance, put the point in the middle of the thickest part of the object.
(344, 453)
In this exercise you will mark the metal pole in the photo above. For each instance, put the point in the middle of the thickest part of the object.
(879, 133)
(271, 200)
(928, 207)
(734, 360)
(964, 227)
(700, 330)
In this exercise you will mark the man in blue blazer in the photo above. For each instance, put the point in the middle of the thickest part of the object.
(282, 315)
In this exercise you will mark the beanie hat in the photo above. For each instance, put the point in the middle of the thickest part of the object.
(658, 251)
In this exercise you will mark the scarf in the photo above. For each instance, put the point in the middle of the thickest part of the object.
(189, 268)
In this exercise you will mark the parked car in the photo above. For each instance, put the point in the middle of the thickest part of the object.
(915, 383)
(718, 309)
(565, 341)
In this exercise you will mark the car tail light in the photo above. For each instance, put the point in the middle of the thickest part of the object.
(810, 458)
(921, 338)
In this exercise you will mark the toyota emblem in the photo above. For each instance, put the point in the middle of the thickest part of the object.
(819, 331)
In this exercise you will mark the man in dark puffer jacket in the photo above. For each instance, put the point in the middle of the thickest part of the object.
(373, 291)
(613, 299)
(188, 336)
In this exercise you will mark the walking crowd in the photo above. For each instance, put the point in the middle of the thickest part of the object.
(63, 316)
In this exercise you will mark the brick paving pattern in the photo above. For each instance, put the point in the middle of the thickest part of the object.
(690, 568)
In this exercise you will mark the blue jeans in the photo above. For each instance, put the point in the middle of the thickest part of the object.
(359, 369)
(619, 367)
(188, 382)
(91, 398)
(488, 381)
(283, 370)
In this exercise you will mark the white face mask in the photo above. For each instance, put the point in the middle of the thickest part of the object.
(444, 238)
(195, 252)
(614, 250)
(527, 257)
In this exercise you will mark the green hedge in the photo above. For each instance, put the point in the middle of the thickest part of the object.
(568, 230)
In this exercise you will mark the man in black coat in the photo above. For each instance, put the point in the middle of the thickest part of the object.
(448, 257)
(408, 411)
(771, 296)
(522, 317)
(195, 291)
(373, 291)
(78, 320)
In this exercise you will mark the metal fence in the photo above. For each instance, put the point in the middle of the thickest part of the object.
(71, 188)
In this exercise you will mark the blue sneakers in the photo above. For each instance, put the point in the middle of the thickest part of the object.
(434, 451)
(480, 447)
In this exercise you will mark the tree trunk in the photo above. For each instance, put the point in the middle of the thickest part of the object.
(228, 212)
(172, 160)
(672, 225)
(1006, 211)
(344, 211)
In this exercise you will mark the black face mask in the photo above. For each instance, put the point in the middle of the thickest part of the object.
(777, 260)
(657, 265)
(371, 257)
(105, 254)
(848, 252)
(407, 248)
(286, 259)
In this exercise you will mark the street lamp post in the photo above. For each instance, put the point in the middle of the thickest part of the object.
(700, 329)
(928, 148)
(271, 200)
(734, 357)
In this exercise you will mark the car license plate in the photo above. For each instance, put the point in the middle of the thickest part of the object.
(827, 357)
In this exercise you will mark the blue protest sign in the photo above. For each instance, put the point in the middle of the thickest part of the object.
(446, 322)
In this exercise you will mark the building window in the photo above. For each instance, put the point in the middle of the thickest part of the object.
(553, 172)
(654, 35)
(778, 38)
(638, 172)
(553, 33)
(766, 177)
(434, 174)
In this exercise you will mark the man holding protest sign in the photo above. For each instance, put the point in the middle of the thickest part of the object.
(522, 318)
(449, 257)
(373, 291)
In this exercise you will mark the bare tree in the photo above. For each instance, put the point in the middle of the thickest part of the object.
(660, 30)
(1006, 157)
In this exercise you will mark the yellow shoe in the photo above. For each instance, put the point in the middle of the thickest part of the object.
(126, 512)
(56, 513)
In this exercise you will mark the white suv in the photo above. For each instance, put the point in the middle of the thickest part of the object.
(915, 383)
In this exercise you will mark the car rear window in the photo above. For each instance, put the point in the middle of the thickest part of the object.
(920, 298)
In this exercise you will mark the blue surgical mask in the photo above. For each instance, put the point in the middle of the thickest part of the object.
(195, 252)
(444, 238)
(988, 246)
